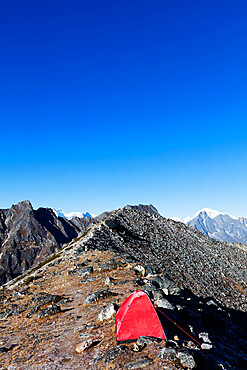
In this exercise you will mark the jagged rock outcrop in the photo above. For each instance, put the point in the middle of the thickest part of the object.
(27, 236)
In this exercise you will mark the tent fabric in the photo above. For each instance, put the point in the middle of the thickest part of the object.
(137, 317)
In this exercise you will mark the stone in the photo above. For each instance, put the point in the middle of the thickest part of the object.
(50, 310)
(164, 303)
(142, 343)
(85, 271)
(172, 343)
(45, 298)
(190, 345)
(109, 281)
(140, 269)
(166, 291)
(211, 303)
(186, 359)
(107, 312)
(157, 293)
(115, 352)
(97, 359)
(169, 353)
(101, 294)
(206, 346)
(163, 282)
(84, 345)
(88, 280)
(140, 363)
(205, 337)
(149, 270)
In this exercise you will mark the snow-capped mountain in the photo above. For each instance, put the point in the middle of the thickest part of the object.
(218, 225)
(60, 213)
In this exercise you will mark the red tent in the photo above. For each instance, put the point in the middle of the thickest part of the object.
(137, 317)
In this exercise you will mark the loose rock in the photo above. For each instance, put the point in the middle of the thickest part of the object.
(140, 363)
(206, 346)
(50, 310)
(115, 352)
(101, 294)
(186, 359)
(107, 313)
(205, 337)
(167, 353)
(109, 281)
(85, 271)
(164, 303)
(81, 347)
(139, 268)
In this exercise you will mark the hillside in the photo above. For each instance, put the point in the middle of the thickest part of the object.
(50, 314)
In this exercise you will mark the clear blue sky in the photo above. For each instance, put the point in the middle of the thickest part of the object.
(107, 103)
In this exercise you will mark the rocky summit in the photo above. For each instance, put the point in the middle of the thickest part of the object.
(60, 314)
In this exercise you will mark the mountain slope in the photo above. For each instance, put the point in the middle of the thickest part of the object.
(189, 257)
(52, 312)
(28, 235)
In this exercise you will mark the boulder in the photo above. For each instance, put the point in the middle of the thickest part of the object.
(45, 298)
(91, 342)
(167, 353)
(157, 294)
(206, 346)
(205, 337)
(164, 303)
(107, 312)
(166, 284)
(100, 294)
(50, 310)
(115, 352)
(85, 271)
(140, 269)
(140, 363)
(186, 359)
(142, 342)
(109, 281)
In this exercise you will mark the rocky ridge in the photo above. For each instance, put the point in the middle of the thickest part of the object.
(186, 255)
(68, 304)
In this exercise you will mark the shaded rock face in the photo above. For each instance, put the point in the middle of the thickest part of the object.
(27, 235)
(185, 255)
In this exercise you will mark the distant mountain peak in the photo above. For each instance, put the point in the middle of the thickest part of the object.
(219, 225)
(212, 213)
(60, 213)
